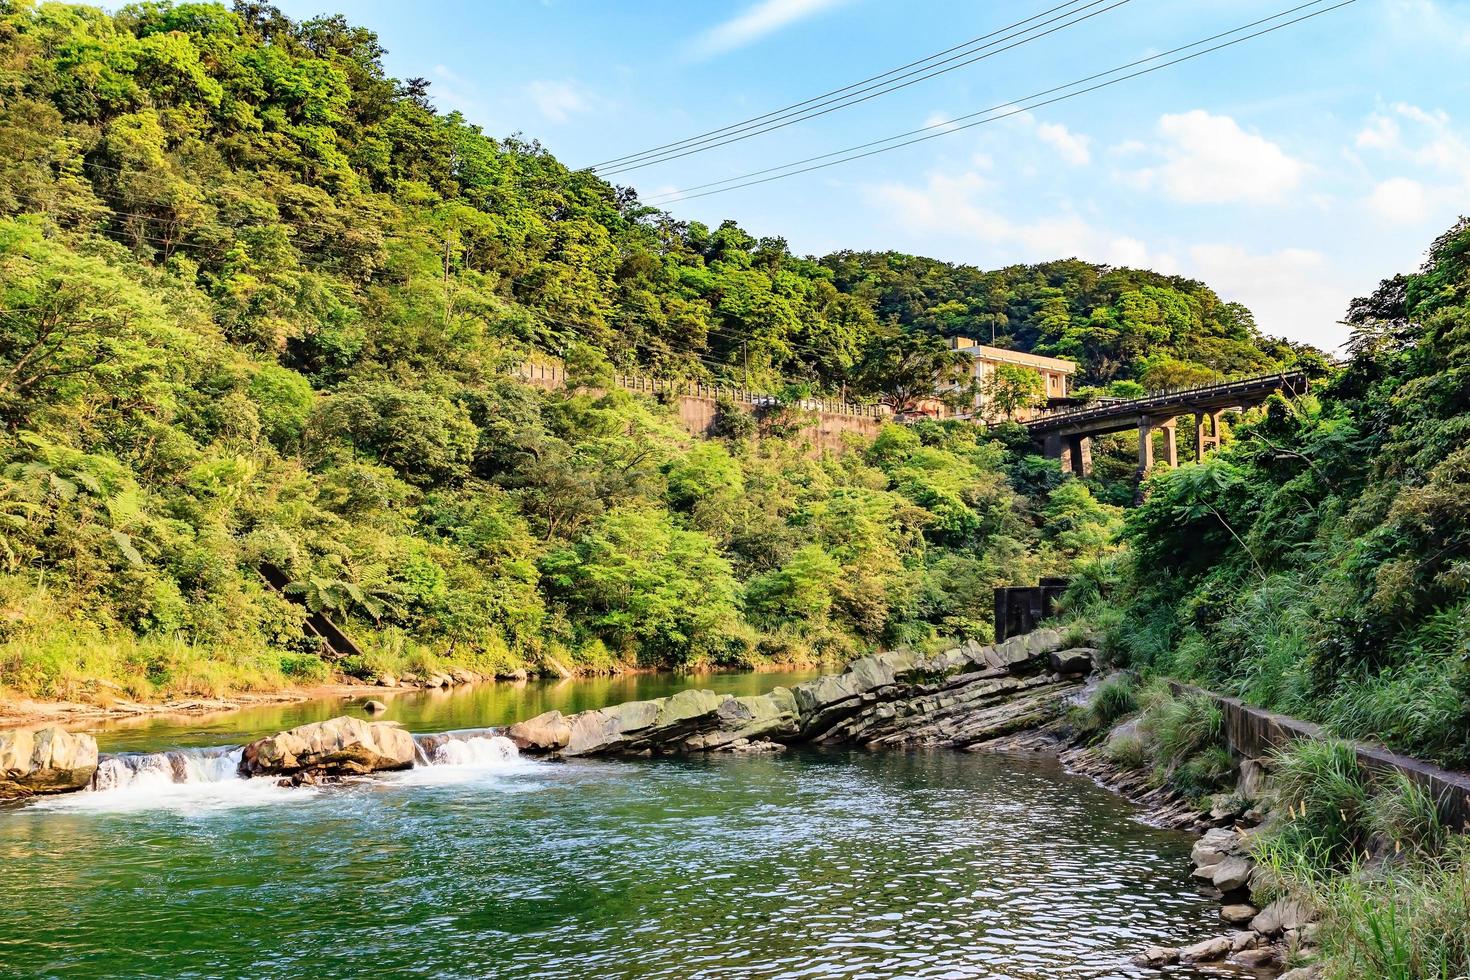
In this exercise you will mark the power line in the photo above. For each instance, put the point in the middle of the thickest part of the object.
(836, 91)
(949, 126)
(846, 102)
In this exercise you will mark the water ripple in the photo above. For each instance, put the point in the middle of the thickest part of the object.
(828, 865)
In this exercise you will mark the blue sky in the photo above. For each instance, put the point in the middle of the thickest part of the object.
(1291, 172)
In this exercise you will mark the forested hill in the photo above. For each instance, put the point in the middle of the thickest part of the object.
(322, 206)
(256, 303)
(1119, 324)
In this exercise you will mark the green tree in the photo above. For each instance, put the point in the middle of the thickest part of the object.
(1012, 389)
(645, 585)
(904, 367)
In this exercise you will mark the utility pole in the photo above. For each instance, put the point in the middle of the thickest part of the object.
(745, 356)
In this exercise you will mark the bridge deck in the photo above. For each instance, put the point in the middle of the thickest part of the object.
(1124, 415)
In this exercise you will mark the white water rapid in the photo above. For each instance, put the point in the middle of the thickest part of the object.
(190, 780)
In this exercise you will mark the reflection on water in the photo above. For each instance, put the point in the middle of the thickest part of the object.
(812, 864)
(474, 706)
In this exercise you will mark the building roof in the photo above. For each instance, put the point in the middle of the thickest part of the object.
(1002, 356)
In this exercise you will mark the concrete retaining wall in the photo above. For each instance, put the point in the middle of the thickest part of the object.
(1257, 732)
(694, 402)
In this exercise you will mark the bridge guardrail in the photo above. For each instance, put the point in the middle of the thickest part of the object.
(1162, 398)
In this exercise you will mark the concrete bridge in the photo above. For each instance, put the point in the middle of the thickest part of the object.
(1066, 434)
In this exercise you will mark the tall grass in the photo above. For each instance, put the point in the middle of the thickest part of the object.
(1400, 923)
(1181, 738)
(1406, 813)
(1324, 789)
(1114, 698)
(1181, 726)
(1372, 856)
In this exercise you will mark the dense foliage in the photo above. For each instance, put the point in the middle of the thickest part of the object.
(1120, 325)
(1321, 563)
(258, 302)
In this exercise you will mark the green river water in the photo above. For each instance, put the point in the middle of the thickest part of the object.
(812, 864)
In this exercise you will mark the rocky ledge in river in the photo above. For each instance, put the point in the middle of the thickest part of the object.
(960, 698)
(343, 746)
(47, 760)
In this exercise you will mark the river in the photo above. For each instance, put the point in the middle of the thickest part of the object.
(811, 864)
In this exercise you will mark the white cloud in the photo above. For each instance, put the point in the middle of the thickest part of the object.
(453, 92)
(1427, 144)
(1400, 199)
(1209, 159)
(1072, 147)
(558, 101)
(1128, 148)
(766, 17)
(956, 206)
(1439, 145)
(1292, 292)
(939, 121)
(1380, 133)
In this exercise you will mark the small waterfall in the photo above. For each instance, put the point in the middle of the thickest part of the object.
(477, 751)
(158, 769)
(481, 748)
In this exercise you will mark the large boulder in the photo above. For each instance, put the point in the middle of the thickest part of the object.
(1215, 846)
(1157, 956)
(547, 732)
(1077, 660)
(1232, 873)
(46, 760)
(1207, 951)
(341, 746)
(1021, 651)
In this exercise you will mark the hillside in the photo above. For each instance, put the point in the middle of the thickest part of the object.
(1320, 565)
(257, 300)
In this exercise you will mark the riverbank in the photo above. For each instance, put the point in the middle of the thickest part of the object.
(111, 703)
(22, 712)
(1164, 747)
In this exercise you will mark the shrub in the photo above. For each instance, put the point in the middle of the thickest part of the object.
(1117, 696)
(305, 667)
(1127, 751)
(1180, 727)
(1205, 772)
(1325, 791)
(1404, 812)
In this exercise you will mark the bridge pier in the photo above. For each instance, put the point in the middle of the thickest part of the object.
(1206, 436)
(1146, 427)
(1074, 452)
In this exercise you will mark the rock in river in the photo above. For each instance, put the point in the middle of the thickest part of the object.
(47, 760)
(341, 746)
(547, 732)
(1206, 952)
(1232, 873)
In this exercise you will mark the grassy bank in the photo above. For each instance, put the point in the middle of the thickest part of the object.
(1370, 854)
(1367, 853)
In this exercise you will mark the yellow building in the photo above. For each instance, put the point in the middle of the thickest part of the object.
(1054, 371)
